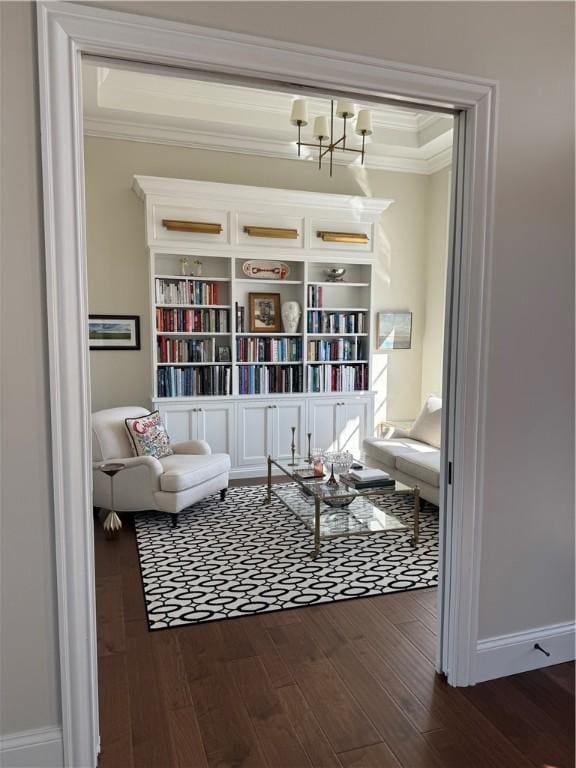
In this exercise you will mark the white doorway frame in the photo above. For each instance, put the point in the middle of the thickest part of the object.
(65, 33)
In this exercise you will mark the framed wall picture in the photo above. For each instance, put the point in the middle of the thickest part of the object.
(394, 331)
(114, 332)
(264, 312)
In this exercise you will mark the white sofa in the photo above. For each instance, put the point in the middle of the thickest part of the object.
(169, 484)
(411, 456)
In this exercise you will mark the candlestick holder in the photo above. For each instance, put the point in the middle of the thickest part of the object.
(309, 447)
(293, 447)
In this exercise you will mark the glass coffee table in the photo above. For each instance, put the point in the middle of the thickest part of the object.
(333, 511)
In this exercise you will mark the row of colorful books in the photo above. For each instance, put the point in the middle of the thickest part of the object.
(337, 349)
(262, 350)
(192, 382)
(187, 292)
(270, 379)
(337, 378)
(337, 322)
(191, 351)
(192, 320)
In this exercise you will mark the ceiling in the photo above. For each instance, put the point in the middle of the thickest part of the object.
(137, 106)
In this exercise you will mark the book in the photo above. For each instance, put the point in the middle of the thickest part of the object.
(369, 474)
(362, 485)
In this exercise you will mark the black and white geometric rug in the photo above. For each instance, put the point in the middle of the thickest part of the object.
(236, 557)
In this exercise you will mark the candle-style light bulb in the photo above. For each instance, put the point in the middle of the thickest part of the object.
(321, 128)
(364, 123)
(299, 113)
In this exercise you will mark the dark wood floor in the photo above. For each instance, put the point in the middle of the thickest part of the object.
(344, 685)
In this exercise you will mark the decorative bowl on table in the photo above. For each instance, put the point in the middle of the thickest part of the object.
(338, 502)
(335, 274)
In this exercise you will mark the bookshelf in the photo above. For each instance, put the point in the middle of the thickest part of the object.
(213, 377)
(202, 321)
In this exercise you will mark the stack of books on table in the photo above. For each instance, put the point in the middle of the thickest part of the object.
(362, 479)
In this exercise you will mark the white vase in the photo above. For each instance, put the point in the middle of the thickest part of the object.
(291, 314)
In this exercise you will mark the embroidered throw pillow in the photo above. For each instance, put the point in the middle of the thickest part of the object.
(149, 436)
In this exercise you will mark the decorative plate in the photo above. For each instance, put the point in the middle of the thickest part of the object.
(266, 270)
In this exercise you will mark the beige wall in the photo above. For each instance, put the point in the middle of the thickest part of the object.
(437, 222)
(527, 534)
(29, 688)
(118, 268)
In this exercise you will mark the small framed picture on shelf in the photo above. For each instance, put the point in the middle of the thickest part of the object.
(394, 331)
(223, 355)
(114, 332)
(264, 311)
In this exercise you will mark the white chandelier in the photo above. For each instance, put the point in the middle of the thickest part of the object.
(325, 143)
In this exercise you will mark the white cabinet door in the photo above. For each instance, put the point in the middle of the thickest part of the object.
(254, 433)
(352, 421)
(288, 414)
(215, 424)
(180, 422)
(322, 415)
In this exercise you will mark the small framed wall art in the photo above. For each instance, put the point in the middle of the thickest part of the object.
(394, 331)
(264, 312)
(114, 332)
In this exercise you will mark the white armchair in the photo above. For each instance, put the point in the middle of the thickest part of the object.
(170, 484)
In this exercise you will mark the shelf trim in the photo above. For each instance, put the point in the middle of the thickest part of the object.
(191, 277)
(194, 306)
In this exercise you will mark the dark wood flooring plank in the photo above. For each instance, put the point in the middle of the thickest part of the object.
(295, 644)
(421, 637)
(394, 727)
(307, 728)
(375, 756)
(227, 733)
(106, 554)
(525, 725)
(110, 637)
(236, 640)
(187, 746)
(109, 603)
(273, 728)
(276, 668)
(382, 670)
(151, 741)
(341, 717)
(555, 703)
(115, 713)
(399, 607)
(168, 657)
(563, 674)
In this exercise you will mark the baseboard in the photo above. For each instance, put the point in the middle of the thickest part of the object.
(515, 653)
(40, 748)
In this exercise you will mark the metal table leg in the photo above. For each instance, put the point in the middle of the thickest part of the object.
(416, 535)
(316, 527)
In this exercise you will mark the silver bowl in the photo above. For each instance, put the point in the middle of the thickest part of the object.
(335, 275)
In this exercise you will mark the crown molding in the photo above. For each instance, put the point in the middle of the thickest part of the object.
(243, 145)
(191, 189)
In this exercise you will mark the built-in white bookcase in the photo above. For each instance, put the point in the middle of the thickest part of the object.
(213, 380)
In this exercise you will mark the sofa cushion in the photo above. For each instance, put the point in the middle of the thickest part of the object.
(182, 471)
(149, 435)
(422, 466)
(427, 426)
(386, 451)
